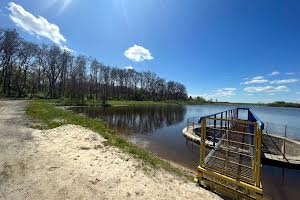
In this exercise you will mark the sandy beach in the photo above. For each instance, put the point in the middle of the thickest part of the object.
(72, 162)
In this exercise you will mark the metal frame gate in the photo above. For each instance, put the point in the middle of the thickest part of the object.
(233, 164)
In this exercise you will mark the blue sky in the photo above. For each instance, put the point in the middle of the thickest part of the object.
(239, 51)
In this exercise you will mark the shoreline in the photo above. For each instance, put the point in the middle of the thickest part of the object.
(46, 116)
(168, 102)
(90, 102)
(72, 161)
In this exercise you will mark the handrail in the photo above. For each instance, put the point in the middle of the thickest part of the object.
(236, 158)
(258, 120)
(255, 117)
(216, 114)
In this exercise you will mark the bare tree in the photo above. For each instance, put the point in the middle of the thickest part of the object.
(10, 43)
(53, 69)
(25, 57)
(27, 69)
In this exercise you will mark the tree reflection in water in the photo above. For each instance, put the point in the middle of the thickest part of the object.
(136, 119)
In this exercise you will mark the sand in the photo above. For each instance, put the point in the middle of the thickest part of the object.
(71, 162)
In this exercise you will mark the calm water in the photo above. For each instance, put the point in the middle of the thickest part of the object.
(159, 129)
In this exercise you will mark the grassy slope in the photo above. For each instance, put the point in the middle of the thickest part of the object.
(45, 111)
(70, 102)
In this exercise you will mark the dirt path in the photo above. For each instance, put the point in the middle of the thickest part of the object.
(71, 162)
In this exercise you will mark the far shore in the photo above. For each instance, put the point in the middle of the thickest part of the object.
(89, 102)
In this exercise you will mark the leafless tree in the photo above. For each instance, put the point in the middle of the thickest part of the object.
(27, 69)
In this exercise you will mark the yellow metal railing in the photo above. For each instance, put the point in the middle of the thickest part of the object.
(235, 161)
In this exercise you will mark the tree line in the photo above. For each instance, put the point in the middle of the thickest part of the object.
(48, 71)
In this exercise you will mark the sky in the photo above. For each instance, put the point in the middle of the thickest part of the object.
(229, 50)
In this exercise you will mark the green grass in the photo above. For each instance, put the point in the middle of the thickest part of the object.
(140, 103)
(46, 112)
(91, 102)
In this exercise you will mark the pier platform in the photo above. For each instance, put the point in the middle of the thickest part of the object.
(232, 146)
(278, 150)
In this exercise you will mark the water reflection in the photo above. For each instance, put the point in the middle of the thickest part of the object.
(280, 183)
(136, 119)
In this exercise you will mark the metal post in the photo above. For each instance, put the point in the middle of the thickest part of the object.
(258, 157)
(215, 121)
(285, 129)
(214, 139)
(227, 148)
(253, 151)
(231, 118)
(248, 117)
(202, 146)
(221, 120)
(226, 119)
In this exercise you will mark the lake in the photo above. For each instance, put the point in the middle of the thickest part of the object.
(159, 129)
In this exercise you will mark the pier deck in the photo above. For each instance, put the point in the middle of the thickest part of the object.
(232, 144)
(274, 148)
(233, 163)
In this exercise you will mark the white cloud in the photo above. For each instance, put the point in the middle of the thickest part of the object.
(138, 53)
(34, 25)
(266, 89)
(291, 80)
(229, 89)
(274, 73)
(223, 92)
(128, 67)
(226, 92)
(256, 79)
(290, 73)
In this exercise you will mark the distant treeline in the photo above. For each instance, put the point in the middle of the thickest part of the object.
(201, 100)
(49, 71)
(284, 104)
(274, 104)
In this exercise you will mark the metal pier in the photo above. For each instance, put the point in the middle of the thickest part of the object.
(231, 161)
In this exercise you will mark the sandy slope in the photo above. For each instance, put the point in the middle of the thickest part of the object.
(71, 162)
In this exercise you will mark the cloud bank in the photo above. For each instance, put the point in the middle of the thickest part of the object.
(291, 80)
(266, 89)
(256, 79)
(226, 92)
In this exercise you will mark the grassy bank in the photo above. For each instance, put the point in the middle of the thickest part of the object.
(91, 102)
(50, 116)
(147, 103)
